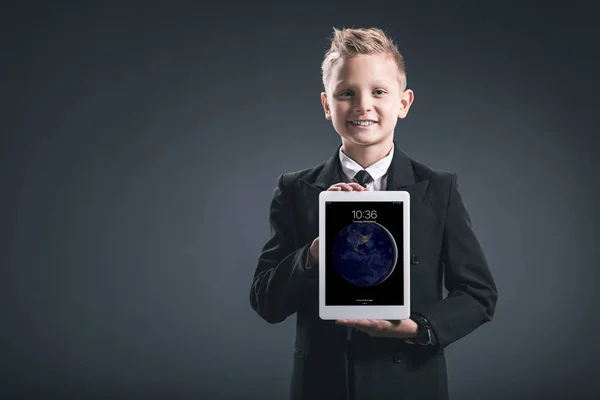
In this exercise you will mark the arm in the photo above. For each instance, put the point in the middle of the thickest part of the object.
(472, 293)
(281, 280)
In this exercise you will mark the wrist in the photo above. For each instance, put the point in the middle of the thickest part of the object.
(424, 335)
(414, 328)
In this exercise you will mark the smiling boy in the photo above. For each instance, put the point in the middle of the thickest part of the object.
(365, 94)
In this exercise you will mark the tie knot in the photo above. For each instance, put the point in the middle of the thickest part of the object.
(363, 177)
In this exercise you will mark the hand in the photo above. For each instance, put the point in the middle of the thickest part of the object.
(403, 329)
(338, 187)
(314, 251)
(347, 187)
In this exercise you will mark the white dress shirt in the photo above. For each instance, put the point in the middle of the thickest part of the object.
(378, 170)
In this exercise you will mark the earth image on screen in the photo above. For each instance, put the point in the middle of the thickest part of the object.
(365, 253)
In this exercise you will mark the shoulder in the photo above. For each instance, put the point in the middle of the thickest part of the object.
(438, 178)
(442, 186)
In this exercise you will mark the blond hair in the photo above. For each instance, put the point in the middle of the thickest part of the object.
(361, 41)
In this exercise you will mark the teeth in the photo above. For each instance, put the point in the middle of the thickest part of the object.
(362, 123)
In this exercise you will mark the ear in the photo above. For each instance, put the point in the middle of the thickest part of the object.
(408, 97)
(325, 106)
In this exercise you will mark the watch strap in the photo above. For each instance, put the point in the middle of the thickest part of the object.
(425, 335)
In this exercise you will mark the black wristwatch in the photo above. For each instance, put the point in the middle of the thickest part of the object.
(425, 335)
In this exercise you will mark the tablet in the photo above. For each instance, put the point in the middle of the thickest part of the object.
(364, 247)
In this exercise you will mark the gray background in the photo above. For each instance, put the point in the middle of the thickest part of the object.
(141, 145)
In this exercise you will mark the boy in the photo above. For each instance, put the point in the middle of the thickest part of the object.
(365, 94)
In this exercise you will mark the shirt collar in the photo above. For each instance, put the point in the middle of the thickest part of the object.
(376, 170)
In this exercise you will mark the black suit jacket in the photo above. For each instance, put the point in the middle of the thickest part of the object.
(444, 250)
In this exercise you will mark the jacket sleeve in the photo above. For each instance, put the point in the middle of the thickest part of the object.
(472, 292)
(283, 275)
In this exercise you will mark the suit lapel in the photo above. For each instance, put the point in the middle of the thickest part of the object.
(401, 176)
(309, 192)
(330, 174)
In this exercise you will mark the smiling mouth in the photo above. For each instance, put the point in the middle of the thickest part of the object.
(362, 123)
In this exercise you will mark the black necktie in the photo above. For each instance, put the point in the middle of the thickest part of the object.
(363, 177)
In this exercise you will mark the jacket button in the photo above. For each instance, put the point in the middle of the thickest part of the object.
(398, 357)
(415, 259)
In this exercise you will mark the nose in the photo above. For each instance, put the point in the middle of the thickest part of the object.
(363, 103)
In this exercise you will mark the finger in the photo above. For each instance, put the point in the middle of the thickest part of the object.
(374, 332)
(349, 187)
(354, 323)
(378, 325)
(346, 187)
(357, 186)
(372, 325)
(381, 323)
(334, 189)
(347, 322)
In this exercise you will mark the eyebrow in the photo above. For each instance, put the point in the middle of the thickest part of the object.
(344, 83)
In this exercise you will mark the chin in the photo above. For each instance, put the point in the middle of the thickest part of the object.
(363, 139)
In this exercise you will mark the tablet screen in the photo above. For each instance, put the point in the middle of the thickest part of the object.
(364, 253)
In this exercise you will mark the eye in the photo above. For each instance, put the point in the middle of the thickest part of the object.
(380, 92)
(345, 93)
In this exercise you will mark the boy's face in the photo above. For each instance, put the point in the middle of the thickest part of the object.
(365, 88)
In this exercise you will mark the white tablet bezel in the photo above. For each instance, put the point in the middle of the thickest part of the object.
(360, 311)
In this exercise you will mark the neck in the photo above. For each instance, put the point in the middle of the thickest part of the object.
(368, 155)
